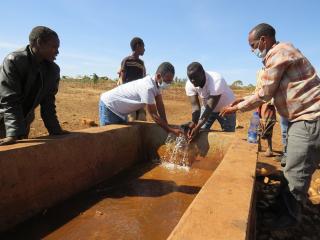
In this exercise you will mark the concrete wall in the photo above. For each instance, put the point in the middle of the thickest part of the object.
(223, 207)
(39, 173)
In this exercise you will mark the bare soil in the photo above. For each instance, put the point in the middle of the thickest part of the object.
(77, 104)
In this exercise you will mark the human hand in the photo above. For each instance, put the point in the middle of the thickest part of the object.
(176, 131)
(191, 126)
(8, 140)
(192, 133)
(228, 110)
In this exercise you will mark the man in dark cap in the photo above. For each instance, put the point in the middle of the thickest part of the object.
(29, 78)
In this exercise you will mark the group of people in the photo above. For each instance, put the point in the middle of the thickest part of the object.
(29, 77)
(137, 91)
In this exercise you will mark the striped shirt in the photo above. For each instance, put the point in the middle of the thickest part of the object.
(259, 84)
(291, 80)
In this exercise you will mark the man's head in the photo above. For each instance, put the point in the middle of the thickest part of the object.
(44, 43)
(196, 74)
(261, 38)
(137, 45)
(165, 74)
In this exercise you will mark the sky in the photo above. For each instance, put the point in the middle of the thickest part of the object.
(95, 35)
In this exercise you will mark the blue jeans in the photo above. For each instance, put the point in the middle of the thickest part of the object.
(227, 123)
(106, 116)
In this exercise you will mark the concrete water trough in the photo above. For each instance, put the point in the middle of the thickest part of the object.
(84, 186)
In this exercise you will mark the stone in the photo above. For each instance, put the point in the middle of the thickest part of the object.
(88, 122)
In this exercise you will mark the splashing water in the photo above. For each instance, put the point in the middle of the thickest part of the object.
(176, 153)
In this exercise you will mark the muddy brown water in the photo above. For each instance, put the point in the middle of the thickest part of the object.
(144, 202)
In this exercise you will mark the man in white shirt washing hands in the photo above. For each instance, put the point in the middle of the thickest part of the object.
(117, 103)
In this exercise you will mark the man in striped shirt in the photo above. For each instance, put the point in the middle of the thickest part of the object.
(292, 81)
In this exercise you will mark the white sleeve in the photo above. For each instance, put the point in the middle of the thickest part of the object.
(148, 96)
(190, 89)
(217, 87)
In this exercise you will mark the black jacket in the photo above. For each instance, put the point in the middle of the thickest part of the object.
(24, 84)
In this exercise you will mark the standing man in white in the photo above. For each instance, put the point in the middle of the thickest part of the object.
(117, 103)
(214, 93)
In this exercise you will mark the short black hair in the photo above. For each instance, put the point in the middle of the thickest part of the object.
(263, 29)
(42, 33)
(194, 68)
(165, 68)
(136, 41)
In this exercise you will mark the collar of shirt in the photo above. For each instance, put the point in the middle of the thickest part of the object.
(269, 52)
(153, 79)
(34, 59)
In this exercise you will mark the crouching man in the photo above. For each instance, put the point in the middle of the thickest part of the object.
(117, 103)
(214, 93)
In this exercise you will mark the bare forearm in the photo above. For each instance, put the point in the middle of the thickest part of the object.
(250, 103)
(204, 117)
(161, 111)
(161, 122)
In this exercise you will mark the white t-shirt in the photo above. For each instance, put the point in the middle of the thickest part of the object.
(215, 85)
(131, 96)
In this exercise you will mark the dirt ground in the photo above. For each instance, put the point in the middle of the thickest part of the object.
(78, 102)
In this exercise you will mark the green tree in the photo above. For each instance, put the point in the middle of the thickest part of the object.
(85, 78)
(237, 84)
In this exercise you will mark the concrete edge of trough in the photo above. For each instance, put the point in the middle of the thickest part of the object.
(42, 172)
(223, 208)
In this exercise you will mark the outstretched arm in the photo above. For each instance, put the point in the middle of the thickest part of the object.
(157, 118)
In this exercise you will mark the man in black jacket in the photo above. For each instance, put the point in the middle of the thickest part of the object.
(28, 78)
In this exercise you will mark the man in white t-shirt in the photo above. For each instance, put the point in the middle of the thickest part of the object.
(214, 93)
(117, 103)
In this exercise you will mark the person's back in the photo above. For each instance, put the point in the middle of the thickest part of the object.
(132, 68)
(115, 104)
(227, 95)
(131, 96)
(299, 86)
